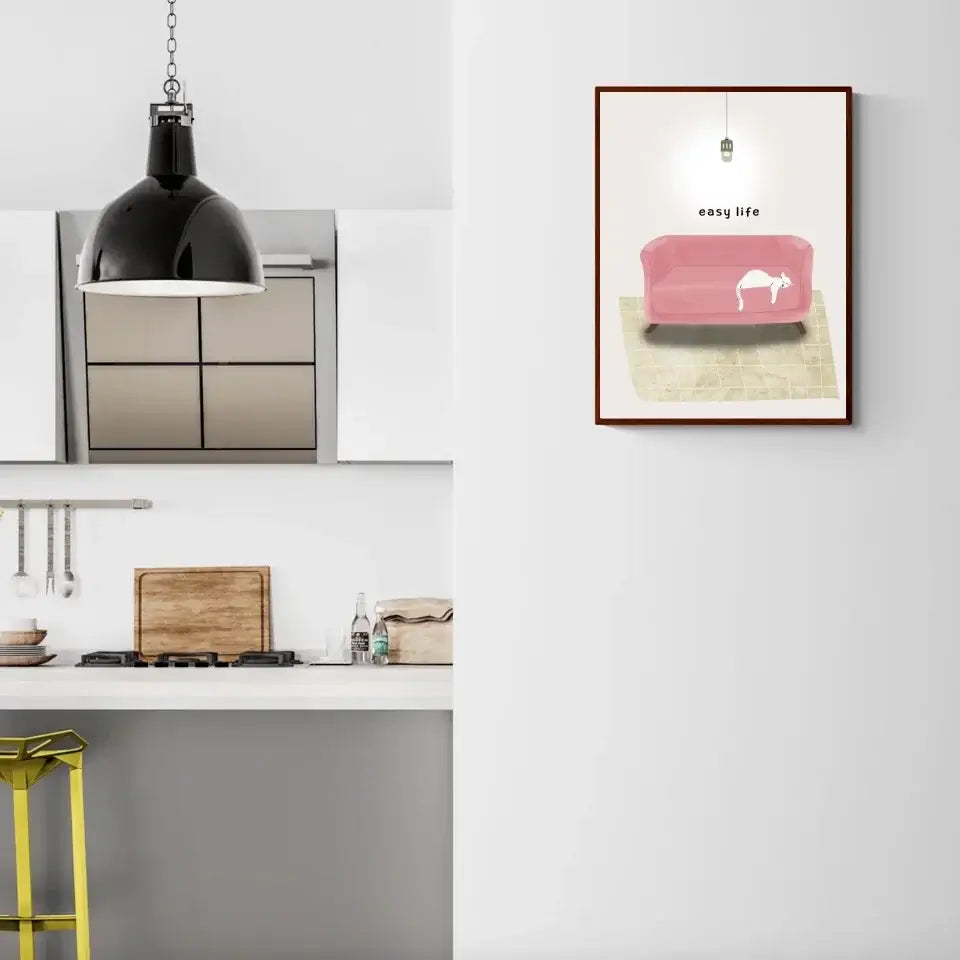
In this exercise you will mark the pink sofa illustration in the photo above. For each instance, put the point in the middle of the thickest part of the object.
(727, 280)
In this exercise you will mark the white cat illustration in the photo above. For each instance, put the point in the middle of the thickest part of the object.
(760, 278)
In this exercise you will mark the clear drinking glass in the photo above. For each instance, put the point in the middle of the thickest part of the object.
(335, 645)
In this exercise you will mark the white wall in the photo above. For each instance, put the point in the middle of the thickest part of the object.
(299, 105)
(706, 684)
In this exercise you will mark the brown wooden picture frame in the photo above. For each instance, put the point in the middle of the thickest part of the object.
(847, 418)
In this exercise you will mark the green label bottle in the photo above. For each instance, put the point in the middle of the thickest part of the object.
(380, 638)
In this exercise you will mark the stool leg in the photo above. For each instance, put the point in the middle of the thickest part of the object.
(21, 834)
(78, 835)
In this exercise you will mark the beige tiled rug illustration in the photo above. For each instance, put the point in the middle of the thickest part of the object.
(762, 362)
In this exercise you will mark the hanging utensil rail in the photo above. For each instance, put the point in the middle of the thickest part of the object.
(136, 504)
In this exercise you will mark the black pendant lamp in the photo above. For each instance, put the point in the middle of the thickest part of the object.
(170, 235)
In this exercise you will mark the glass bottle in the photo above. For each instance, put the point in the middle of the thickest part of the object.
(360, 633)
(380, 639)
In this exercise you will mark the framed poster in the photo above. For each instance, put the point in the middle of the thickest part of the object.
(723, 236)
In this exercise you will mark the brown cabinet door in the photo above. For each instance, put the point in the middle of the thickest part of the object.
(144, 407)
(141, 329)
(259, 407)
(276, 326)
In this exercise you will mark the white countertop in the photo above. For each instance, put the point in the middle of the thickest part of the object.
(396, 687)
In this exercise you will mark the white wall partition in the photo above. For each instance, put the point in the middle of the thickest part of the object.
(706, 694)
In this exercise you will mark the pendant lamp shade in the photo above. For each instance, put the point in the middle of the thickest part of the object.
(170, 235)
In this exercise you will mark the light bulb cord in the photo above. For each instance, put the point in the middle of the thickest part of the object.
(726, 115)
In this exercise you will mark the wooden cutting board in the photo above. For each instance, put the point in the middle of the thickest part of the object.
(224, 609)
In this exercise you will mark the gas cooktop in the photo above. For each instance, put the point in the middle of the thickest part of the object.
(204, 658)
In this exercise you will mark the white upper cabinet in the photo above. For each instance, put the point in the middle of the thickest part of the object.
(31, 399)
(394, 335)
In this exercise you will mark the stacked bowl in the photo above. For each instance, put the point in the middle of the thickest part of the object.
(21, 644)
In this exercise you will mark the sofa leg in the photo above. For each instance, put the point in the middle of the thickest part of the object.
(801, 327)
(651, 328)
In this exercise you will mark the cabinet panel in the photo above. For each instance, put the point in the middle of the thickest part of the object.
(259, 407)
(30, 370)
(144, 407)
(394, 334)
(141, 329)
(274, 326)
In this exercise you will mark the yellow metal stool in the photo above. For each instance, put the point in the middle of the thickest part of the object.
(23, 761)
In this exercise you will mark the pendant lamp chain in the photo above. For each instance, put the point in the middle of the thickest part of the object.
(171, 86)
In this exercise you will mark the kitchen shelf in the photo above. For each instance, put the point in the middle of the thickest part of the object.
(66, 687)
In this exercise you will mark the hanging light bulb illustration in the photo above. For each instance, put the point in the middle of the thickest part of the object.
(726, 144)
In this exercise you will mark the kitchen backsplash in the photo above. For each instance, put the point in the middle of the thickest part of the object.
(327, 532)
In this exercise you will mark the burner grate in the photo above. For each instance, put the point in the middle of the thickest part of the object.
(200, 658)
(267, 658)
(112, 658)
